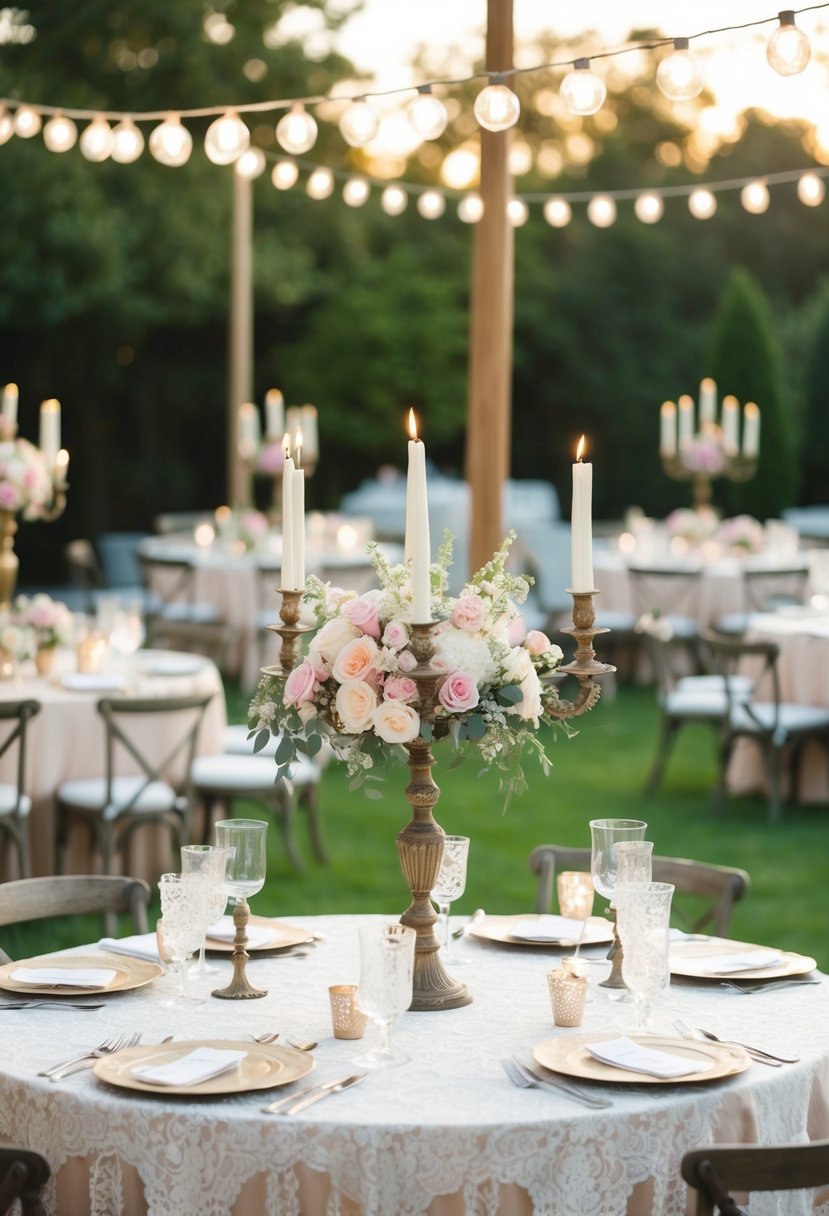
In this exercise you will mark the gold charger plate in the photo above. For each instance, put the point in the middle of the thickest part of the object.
(688, 959)
(282, 936)
(569, 1056)
(265, 1066)
(129, 973)
(500, 929)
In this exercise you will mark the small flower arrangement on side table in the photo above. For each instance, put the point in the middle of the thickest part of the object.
(51, 624)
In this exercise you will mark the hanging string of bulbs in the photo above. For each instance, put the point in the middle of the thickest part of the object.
(496, 107)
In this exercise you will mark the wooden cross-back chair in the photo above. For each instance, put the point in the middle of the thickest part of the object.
(31, 899)
(174, 617)
(716, 1171)
(15, 803)
(23, 1175)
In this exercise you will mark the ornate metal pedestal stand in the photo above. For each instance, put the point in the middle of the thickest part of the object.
(240, 988)
(737, 468)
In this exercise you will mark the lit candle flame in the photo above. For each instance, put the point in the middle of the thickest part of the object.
(412, 425)
(580, 448)
(286, 445)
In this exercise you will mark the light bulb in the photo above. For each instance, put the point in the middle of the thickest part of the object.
(127, 142)
(96, 140)
(356, 192)
(601, 210)
(649, 208)
(811, 190)
(60, 134)
(359, 124)
(284, 174)
(702, 204)
(520, 158)
(427, 114)
(27, 122)
(558, 212)
(394, 200)
(470, 209)
(431, 204)
(226, 139)
(517, 212)
(171, 143)
(6, 125)
(582, 91)
(678, 74)
(497, 107)
(250, 164)
(755, 197)
(296, 131)
(320, 184)
(788, 50)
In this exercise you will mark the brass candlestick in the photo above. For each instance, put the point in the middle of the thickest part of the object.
(420, 846)
(584, 665)
(290, 631)
(736, 468)
(240, 987)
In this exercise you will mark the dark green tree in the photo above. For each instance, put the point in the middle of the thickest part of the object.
(815, 435)
(746, 361)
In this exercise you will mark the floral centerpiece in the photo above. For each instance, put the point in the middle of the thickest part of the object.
(694, 525)
(354, 687)
(25, 482)
(50, 621)
(742, 534)
(708, 453)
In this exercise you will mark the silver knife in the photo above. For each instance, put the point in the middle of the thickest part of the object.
(273, 1107)
(334, 1087)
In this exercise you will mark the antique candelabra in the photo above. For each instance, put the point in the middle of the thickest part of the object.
(734, 466)
(9, 562)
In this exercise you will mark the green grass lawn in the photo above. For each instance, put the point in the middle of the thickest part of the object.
(599, 773)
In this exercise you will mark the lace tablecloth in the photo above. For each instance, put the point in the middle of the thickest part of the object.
(446, 1133)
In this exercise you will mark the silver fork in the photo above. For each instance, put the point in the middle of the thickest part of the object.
(749, 989)
(756, 1054)
(107, 1045)
(521, 1076)
(89, 1059)
(263, 1038)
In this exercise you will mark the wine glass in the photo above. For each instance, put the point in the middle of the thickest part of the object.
(128, 631)
(244, 876)
(633, 861)
(605, 835)
(450, 884)
(576, 894)
(644, 913)
(385, 987)
(182, 910)
(210, 861)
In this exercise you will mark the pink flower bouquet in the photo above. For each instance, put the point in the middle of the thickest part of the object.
(354, 686)
(25, 482)
(50, 621)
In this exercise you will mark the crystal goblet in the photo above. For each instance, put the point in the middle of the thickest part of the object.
(245, 875)
(385, 987)
(605, 835)
(182, 910)
(210, 861)
(644, 913)
(450, 884)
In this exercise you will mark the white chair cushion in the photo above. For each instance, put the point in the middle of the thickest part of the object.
(246, 773)
(701, 704)
(190, 614)
(8, 801)
(791, 719)
(740, 685)
(90, 795)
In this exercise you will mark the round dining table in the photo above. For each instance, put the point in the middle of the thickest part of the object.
(65, 741)
(446, 1134)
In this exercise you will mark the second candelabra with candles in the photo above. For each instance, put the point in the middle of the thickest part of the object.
(703, 443)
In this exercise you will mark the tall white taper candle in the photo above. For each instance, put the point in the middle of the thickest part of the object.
(418, 543)
(298, 516)
(50, 430)
(288, 579)
(581, 523)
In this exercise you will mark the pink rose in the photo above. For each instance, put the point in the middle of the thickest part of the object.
(396, 635)
(469, 613)
(396, 722)
(356, 661)
(363, 612)
(356, 703)
(438, 663)
(406, 661)
(399, 688)
(458, 692)
(537, 642)
(9, 496)
(300, 684)
(516, 631)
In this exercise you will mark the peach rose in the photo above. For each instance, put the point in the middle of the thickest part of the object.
(458, 692)
(330, 640)
(300, 684)
(356, 703)
(356, 661)
(537, 642)
(396, 722)
(396, 635)
(469, 613)
(363, 612)
(399, 688)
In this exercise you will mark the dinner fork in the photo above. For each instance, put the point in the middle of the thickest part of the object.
(521, 1076)
(58, 1071)
(271, 1038)
(756, 1054)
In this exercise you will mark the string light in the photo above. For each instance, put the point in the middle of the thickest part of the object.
(226, 139)
(296, 131)
(601, 210)
(582, 91)
(517, 212)
(788, 50)
(359, 124)
(27, 122)
(6, 126)
(557, 212)
(394, 200)
(284, 174)
(431, 204)
(811, 190)
(678, 74)
(649, 208)
(497, 107)
(755, 197)
(127, 142)
(471, 209)
(60, 134)
(427, 114)
(702, 204)
(96, 140)
(170, 142)
(250, 164)
(356, 192)
(320, 184)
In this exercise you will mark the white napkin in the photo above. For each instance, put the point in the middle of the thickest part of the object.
(753, 960)
(196, 1066)
(224, 931)
(93, 681)
(548, 929)
(625, 1053)
(141, 945)
(64, 977)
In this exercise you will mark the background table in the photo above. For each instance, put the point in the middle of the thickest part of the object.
(446, 1134)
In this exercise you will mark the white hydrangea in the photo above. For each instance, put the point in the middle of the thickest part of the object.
(467, 652)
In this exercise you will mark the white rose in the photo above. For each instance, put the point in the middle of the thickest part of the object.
(520, 671)
(356, 703)
(396, 722)
(335, 634)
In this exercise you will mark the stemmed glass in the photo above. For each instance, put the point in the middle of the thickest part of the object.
(244, 876)
(182, 912)
(385, 987)
(644, 913)
(605, 835)
(450, 884)
(210, 861)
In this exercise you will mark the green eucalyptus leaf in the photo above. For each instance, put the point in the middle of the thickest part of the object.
(285, 750)
(262, 740)
(510, 694)
(475, 727)
(313, 744)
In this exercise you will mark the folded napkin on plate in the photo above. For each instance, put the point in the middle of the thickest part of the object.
(141, 945)
(93, 681)
(548, 929)
(64, 977)
(752, 960)
(224, 931)
(625, 1053)
(196, 1066)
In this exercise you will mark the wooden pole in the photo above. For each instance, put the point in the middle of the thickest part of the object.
(240, 361)
(490, 340)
